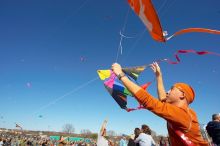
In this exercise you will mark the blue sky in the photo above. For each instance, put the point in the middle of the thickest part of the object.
(51, 50)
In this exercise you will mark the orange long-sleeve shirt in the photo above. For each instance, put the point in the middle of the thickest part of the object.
(181, 118)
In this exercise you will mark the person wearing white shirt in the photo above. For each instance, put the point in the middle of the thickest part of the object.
(102, 141)
(1, 141)
(145, 138)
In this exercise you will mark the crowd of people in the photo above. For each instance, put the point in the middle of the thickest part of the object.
(141, 137)
(11, 139)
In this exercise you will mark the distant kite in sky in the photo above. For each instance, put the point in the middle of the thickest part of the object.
(108, 17)
(40, 116)
(18, 126)
(148, 15)
(82, 59)
(116, 89)
(28, 84)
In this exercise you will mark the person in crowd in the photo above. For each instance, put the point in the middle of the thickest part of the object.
(102, 141)
(1, 141)
(123, 141)
(131, 140)
(137, 131)
(162, 142)
(213, 129)
(145, 138)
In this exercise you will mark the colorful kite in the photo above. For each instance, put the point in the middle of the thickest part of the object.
(28, 84)
(117, 90)
(148, 15)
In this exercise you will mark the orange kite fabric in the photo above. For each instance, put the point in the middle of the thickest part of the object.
(148, 15)
(145, 10)
(181, 119)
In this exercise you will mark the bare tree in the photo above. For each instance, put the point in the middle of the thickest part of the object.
(94, 135)
(68, 128)
(111, 133)
(86, 132)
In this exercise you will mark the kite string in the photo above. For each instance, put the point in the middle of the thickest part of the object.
(66, 94)
(162, 6)
(120, 48)
(61, 97)
(120, 43)
(167, 8)
(74, 12)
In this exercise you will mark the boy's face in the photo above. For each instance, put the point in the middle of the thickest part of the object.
(173, 95)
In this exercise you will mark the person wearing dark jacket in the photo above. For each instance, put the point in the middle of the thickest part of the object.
(213, 129)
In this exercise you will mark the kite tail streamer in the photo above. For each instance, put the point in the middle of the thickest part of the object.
(145, 86)
(189, 30)
(187, 51)
(133, 109)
